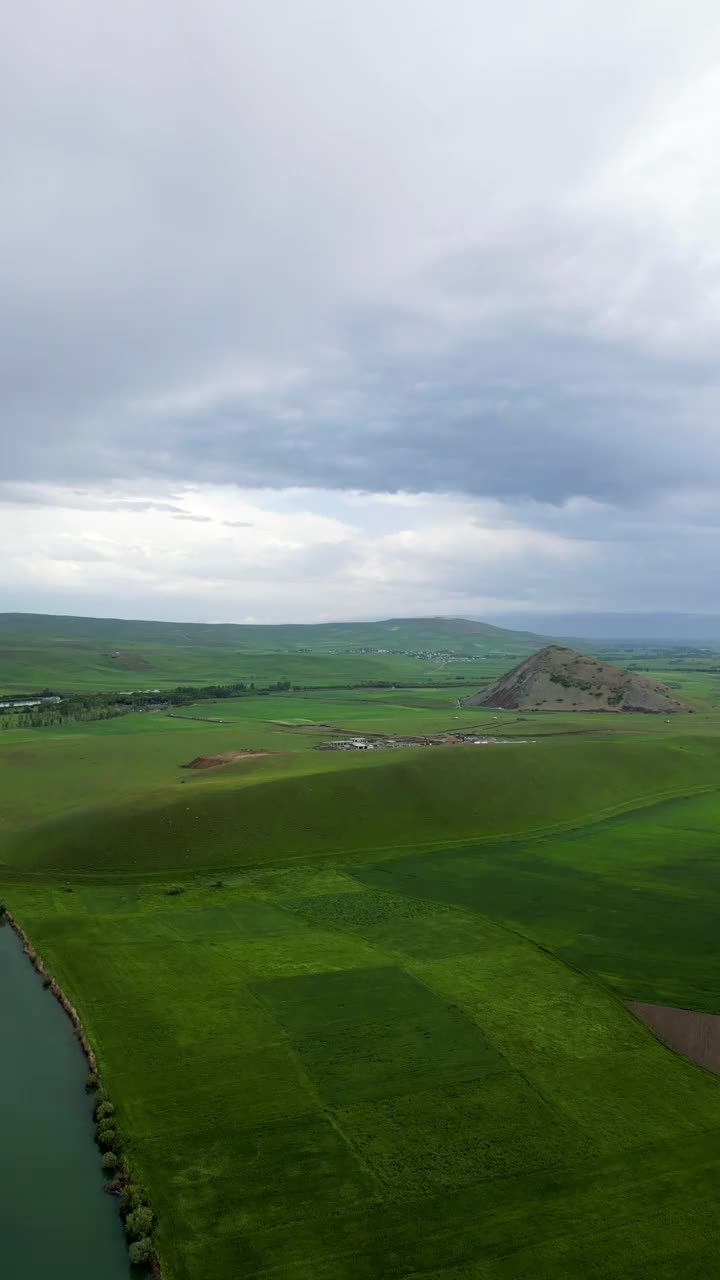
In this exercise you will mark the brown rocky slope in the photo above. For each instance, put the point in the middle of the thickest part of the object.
(559, 679)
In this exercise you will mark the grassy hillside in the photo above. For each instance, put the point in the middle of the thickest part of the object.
(316, 804)
(39, 651)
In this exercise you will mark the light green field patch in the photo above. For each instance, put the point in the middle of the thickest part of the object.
(529, 1003)
(249, 919)
(303, 952)
(609, 1097)
(373, 1033)
(250, 1087)
(271, 1175)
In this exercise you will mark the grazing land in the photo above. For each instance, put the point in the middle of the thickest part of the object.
(96, 653)
(364, 1015)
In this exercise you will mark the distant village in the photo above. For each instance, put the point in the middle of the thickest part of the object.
(425, 655)
(378, 742)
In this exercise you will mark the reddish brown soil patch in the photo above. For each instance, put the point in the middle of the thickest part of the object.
(221, 757)
(697, 1035)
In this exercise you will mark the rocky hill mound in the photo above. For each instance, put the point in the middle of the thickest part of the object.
(559, 679)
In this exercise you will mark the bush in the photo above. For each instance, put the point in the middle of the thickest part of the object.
(92, 1081)
(132, 1197)
(141, 1251)
(174, 889)
(109, 1161)
(104, 1109)
(139, 1222)
(106, 1138)
(3, 909)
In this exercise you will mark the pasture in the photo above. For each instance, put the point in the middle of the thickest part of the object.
(86, 654)
(326, 1070)
(377, 1029)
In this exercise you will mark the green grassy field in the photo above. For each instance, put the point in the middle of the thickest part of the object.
(380, 1032)
(321, 1073)
(85, 654)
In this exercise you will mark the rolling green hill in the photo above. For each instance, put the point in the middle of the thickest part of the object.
(38, 651)
(277, 809)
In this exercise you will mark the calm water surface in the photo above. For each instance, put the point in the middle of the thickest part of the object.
(56, 1222)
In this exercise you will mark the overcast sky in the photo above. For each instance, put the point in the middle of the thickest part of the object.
(311, 309)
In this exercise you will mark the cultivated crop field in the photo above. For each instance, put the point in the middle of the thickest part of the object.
(334, 1071)
(362, 1015)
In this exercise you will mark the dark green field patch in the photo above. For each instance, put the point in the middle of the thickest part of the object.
(361, 910)
(373, 1033)
(440, 1138)
(640, 938)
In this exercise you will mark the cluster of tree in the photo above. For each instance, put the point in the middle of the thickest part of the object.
(78, 707)
(135, 1210)
(75, 708)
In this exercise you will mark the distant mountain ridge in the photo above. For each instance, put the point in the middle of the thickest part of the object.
(638, 628)
(456, 635)
(559, 679)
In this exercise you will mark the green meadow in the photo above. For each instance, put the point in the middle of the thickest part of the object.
(362, 1015)
(85, 654)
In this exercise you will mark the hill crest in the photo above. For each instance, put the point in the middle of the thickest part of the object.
(560, 679)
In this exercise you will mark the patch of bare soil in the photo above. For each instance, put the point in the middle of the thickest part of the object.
(131, 661)
(304, 724)
(221, 757)
(696, 1035)
(18, 756)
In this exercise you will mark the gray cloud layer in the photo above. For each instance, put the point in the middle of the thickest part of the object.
(410, 247)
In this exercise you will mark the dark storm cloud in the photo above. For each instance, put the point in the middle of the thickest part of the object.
(538, 415)
(534, 415)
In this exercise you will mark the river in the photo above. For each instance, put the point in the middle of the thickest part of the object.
(55, 1219)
